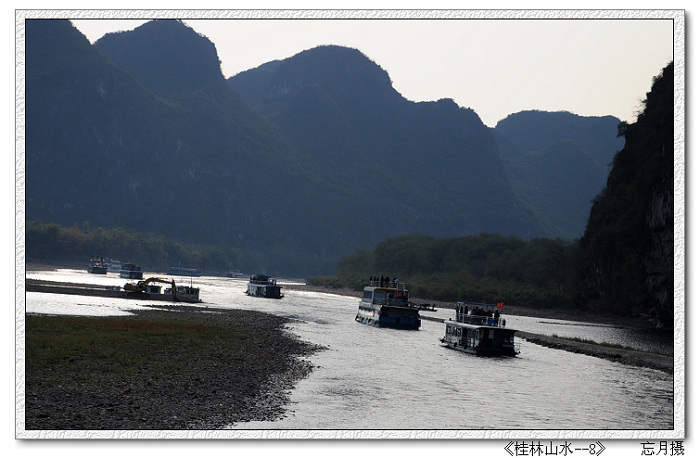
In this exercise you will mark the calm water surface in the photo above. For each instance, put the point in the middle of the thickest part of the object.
(384, 379)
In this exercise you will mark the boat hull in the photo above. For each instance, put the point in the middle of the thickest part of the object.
(131, 275)
(184, 272)
(480, 340)
(385, 316)
(481, 351)
(266, 291)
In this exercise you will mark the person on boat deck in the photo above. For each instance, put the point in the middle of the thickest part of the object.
(399, 296)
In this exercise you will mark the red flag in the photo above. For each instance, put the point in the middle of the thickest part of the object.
(500, 305)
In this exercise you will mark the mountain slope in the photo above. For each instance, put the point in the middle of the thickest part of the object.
(104, 149)
(308, 158)
(166, 56)
(627, 251)
(558, 162)
(432, 165)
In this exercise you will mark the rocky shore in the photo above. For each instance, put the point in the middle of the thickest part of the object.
(174, 387)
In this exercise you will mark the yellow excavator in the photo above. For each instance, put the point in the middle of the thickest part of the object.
(142, 286)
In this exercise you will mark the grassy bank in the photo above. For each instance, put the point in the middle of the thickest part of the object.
(181, 369)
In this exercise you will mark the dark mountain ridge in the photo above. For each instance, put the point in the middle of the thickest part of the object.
(558, 154)
(148, 52)
(307, 159)
(627, 250)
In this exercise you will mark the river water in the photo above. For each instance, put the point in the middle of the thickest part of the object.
(369, 381)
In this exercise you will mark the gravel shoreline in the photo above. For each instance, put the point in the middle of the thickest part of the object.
(211, 392)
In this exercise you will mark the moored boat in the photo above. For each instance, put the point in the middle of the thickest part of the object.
(131, 271)
(97, 265)
(184, 271)
(264, 286)
(481, 330)
(385, 303)
(185, 293)
(148, 289)
(113, 265)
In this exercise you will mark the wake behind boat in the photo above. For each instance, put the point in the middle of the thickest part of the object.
(479, 329)
(385, 303)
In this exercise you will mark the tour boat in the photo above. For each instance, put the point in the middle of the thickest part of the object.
(131, 271)
(97, 265)
(184, 272)
(264, 286)
(385, 303)
(113, 265)
(481, 330)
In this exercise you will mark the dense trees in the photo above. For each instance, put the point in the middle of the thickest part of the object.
(54, 243)
(485, 267)
(626, 260)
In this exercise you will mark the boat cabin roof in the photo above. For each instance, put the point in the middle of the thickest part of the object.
(484, 325)
(475, 305)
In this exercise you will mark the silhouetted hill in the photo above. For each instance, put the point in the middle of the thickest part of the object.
(627, 251)
(432, 165)
(166, 56)
(104, 149)
(558, 162)
(308, 159)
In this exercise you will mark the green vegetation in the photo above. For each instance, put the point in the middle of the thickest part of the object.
(54, 243)
(626, 257)
(483, 268)
(173, 369)
(105, 347)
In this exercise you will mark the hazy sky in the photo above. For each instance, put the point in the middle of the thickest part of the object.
(495, 65)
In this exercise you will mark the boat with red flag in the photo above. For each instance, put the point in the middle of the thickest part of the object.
(480, 329)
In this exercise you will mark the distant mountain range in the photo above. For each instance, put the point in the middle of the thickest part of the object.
(296, 162)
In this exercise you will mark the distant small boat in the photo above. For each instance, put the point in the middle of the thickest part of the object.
(131, 271)
(185, 272)
(97, 265)
(481, 330)
(234, 274)
(264, 286)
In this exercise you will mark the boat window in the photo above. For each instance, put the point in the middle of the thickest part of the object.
(367, 295)
(379, 295)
